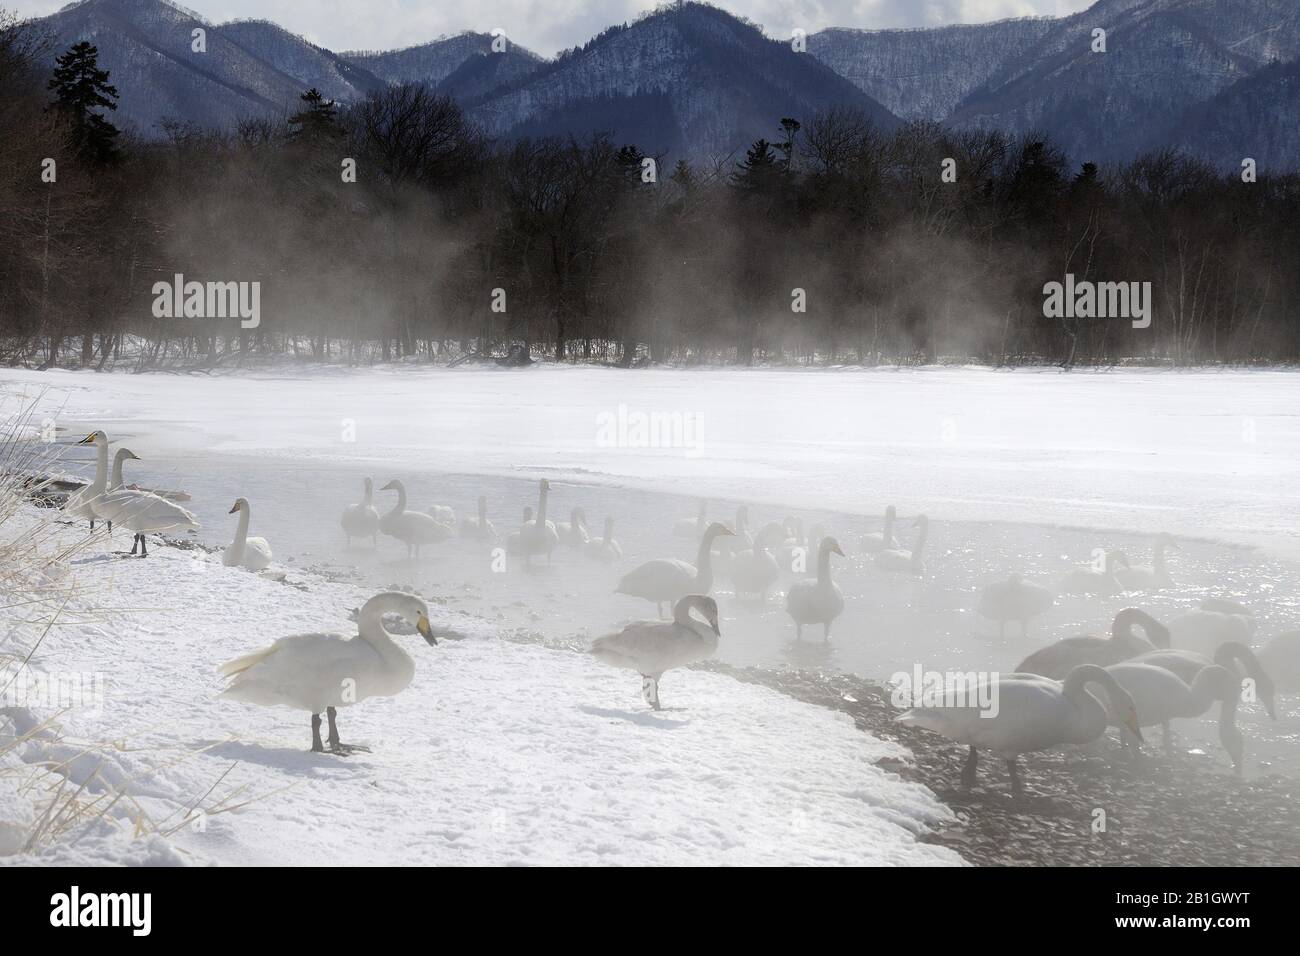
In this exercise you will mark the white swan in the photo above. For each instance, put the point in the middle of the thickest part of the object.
(80, 504)
(1203, 631)
(1014, 600)
(321, 672)
(1093, 581)
(900, 559)
(515, 539)
(754, 571)
(817, 600)
(479, 528)
(1149, 577)
(573, 532)
(883, 540)
(443, 514)
(652, 647)
(539, 535)
(245, 552)
(1280, 656)
(1033, 713)
(693, 527)
(143, 512)
(604, 549)
(1057, 660)
(666, 580)
(413, 528)
(362, 520)
(1161, 696)
(1235, 657)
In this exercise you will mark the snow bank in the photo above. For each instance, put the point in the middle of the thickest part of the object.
(498, 752)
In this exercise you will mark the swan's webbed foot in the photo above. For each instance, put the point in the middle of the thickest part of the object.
(968, 771)
(135, 543)
(337, 747)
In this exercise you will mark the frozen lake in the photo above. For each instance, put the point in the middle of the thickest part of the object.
(1018, 471)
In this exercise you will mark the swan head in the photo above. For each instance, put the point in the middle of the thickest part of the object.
(94, 438)
(411, 609)
(241, 504)
(126, 454)
(831, 546)
(717, 530)
(393, 485)
(370, 484)
(1165, 539)
(920, 521)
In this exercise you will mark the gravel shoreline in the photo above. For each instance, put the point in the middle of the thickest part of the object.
(1163, 810)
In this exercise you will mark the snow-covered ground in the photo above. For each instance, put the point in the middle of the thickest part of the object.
(499, 752)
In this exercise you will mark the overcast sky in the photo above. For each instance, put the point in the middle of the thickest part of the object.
(547, 26)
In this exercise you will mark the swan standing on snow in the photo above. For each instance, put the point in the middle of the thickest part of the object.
(1034, 713)
(321, 672)
(900, 559)
(143, 512)
(1280, 657)
(245, 552)
(1096, 582)
(882, 540)
(818, 600)
(574, 531)
(80, 504)
(412, 528)
(666, 580)
(652, 647)
(1057, 660)
(1161, 697)
(1149, 577)
(1235, 657)
(604, 549)
(539, 536)
(693, 527)
(1014, 600)
(479, 528)
(362, 520)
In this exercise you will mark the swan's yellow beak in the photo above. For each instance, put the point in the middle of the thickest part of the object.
(88, 440)
(426, 632)
(233, 508)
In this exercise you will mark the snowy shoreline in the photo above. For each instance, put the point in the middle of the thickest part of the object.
(498, 753)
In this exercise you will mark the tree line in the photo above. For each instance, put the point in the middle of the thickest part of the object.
(393, 228)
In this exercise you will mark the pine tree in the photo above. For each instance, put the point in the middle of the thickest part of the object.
(317, 121)
(80, 88)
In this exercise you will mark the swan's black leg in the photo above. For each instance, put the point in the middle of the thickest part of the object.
(110, 527)
(316, 745)
(650, 690)
(798, 631)
(135, 543)
(968, 771)
(92, 524)
(337, 746)
(144, 546)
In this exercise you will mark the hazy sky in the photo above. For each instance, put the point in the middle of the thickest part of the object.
(550, 25)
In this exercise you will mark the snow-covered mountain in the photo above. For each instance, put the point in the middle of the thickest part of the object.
(1216, 76)
(1165, 61)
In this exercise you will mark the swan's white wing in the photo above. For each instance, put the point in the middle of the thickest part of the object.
(650, 647)
(307, 671)
(144, 511)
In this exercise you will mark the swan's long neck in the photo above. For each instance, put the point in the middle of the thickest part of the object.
(682, 617)
(101, 467)
(1204, 692)
(1076, 689)
(369, 498)
(241, 533)
(541, 505)
(824, 567)
(1122, 633)
(116, 481)
(704, 564)
(370, 626)
(401, 499)
(921, 535)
